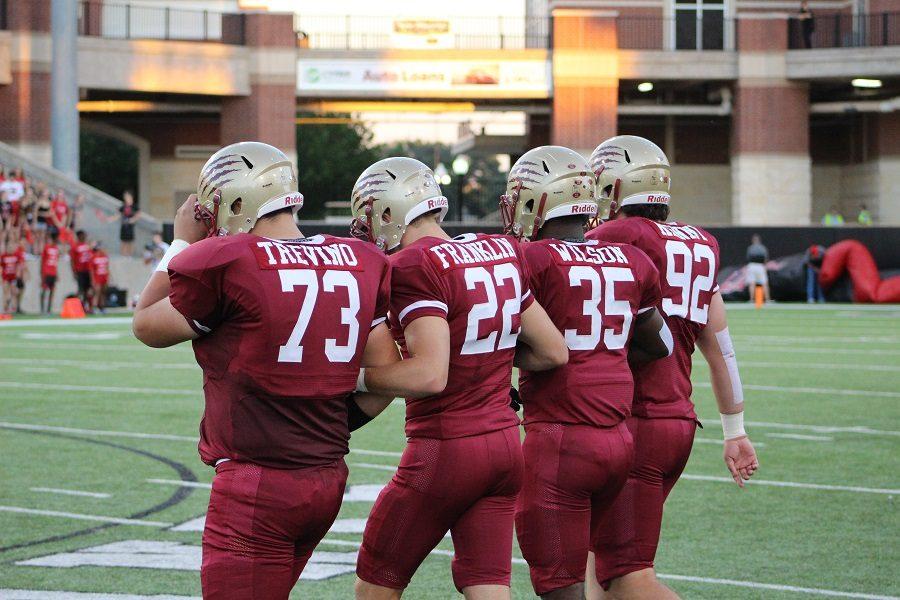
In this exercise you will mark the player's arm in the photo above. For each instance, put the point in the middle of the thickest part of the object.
(424, 373)
(156, 322)
(540, 345)
(380, 351)
(715, 344)
(652, 338)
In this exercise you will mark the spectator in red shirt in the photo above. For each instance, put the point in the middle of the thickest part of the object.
(81, 267)
(99, 276)
(22, 275)
(10, 271)
(60, 216)
(49, 272)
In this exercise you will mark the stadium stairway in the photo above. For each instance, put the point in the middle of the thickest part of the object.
(94, 200)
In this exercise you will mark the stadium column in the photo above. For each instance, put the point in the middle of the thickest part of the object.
(585, 76)
(886, 207)
(770, 162)
(268, 114)
(25, 100)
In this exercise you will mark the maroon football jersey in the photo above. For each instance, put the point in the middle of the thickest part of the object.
(283, 326)
(687, 258)
(479, 285)
(592, 292)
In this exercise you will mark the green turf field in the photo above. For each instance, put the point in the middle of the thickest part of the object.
(823, 393)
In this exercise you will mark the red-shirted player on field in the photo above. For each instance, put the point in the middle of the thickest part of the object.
(80, 253)
(99, 276)
(633, 175)
(11, 266)
(458, 307)
(280, 325)
(603, 298)
(49, 272)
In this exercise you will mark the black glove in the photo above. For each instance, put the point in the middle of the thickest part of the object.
(356, 417)
(515, 402)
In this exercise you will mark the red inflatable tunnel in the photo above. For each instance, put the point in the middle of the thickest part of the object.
(854, 258)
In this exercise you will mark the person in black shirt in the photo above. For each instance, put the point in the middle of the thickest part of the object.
(757, 256)
(807, 24)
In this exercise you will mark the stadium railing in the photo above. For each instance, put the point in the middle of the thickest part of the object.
(846, 30)
(94, 200)
(137, 22)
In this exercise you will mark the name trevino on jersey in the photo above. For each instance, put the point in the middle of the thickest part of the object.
(279, 254)
(487, 250)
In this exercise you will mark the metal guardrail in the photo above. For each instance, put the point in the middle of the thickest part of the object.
(845, 30)
(136, 22)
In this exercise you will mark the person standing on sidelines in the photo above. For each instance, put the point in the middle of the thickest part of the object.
(757, 257)
(99, 277)
(462, 311)
(49, 272)
(633, 177)
(80, 254)
(602, 297)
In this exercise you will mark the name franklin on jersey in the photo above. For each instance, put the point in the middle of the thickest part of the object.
(486, 250)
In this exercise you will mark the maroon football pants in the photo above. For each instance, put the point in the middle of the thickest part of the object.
(262, 526)
(626, 539)
(466, 486)
(572, 475)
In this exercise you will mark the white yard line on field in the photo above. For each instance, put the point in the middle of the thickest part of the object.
(83, 517)
(802, 437)
(811, 390)
(796, 484)
(181, 483)
(96, 365)
(24, 385)
(99, 432)
(10, 594)
(858, 429)
(47, 490)
(65, 322)
(373, 466)
(808, 365)
(718, 442)
(790, 339)
(746, 349)
(376, 452)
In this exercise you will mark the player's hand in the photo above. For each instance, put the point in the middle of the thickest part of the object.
(740, 458)
(187, 227)
(515, 402)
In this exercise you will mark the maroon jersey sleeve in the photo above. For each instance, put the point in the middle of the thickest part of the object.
(195, 277)
(527, 298)
(416, 289)
(647, 275)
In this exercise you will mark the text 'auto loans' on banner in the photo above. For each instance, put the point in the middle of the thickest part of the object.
(489, 79)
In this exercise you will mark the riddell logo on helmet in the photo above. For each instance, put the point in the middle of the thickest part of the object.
(437, 202)
(293, 199)
(651, 199)
(583, 208)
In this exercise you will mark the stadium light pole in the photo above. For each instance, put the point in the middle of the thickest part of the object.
(460, 167)
(64, 87)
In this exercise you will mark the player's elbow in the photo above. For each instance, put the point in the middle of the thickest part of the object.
(145, 332)
(434, 383)
(558, 354)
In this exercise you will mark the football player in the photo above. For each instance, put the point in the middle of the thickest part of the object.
(462, 310)
(602, 297)
(277, 379)
(633, 177)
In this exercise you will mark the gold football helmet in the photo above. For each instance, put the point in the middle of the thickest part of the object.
(243, 182)
(630, 170)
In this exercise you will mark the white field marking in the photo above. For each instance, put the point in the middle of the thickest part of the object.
(100, 432)
(437, 551)
(71, 335)
(376, 452)
(790, 339)
(82, 517)
(37, 369)
(181, 483)
(102, 366)
(797, 350)
(65, 322)
(9, 594)
(795, 484)
(809, 390)
(833, 306)
(65, 387)
(701, 440)
(184, 348)
(859, 429)
(373, 466)
(70, 492)
(800, 436)
(775, 587)
(828, 366)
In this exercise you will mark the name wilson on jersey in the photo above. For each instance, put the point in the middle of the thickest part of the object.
(478, 251)
(598, 255)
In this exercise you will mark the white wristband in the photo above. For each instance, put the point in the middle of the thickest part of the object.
(176, 247)
(361, 381)
(733, 425)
